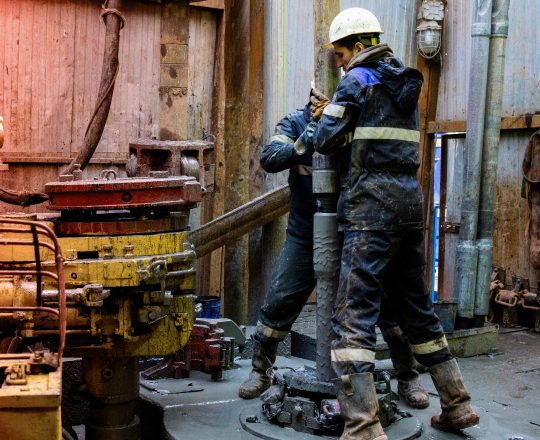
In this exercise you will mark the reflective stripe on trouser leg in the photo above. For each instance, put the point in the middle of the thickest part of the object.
(431, 346)
(347, 361)
(293, 280)
(432, 352)
(270, 332)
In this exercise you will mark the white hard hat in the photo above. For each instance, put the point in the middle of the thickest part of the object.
(353, 21)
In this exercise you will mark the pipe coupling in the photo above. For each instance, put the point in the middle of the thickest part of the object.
(499, 29)
(481, 30)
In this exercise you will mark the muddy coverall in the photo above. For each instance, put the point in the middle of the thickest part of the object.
(372, 128)
(293, 279)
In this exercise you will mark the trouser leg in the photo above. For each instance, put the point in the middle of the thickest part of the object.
(364, 262)
(404, 286)
(414, 312)
(292, 283)
(409, 386)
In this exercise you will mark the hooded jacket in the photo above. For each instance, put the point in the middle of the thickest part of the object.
(280, 155)
(372, 127)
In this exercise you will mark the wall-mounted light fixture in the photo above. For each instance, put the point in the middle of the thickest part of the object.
(429, 31)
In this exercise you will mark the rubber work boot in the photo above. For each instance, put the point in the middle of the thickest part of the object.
(409, 386)
(264, 356)
(455, 401)
(359, 407)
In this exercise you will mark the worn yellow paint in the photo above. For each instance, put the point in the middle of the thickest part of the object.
(118, 261)
(31, 411)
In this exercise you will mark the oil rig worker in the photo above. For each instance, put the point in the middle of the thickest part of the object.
(293, 279)
(372, 127)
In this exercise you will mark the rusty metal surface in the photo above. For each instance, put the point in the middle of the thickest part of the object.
(122, 227)
(132, 193)
(152, 155)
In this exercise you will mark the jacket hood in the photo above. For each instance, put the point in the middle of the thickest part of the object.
(403, 84)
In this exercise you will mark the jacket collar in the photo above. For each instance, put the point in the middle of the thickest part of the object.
(370, 54)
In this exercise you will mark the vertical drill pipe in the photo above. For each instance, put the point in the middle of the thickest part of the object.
(490, 157)
(327, 246)
(467, 252)
(326, 243)
(106, 88)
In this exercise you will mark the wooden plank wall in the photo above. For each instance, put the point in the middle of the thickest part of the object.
(51, 55)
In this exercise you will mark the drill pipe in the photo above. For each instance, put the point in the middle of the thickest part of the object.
(490, 157)
(326, 240)
(467, 252)
(241, 221)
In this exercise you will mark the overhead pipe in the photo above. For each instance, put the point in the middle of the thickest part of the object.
(490, 157)
(467, 251)
(327, 241)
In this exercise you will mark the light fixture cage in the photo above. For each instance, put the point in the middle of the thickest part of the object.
(429, 38)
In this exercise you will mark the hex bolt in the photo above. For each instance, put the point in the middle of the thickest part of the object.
(152, 315)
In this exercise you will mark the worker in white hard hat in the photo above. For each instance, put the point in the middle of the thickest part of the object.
(372, 127)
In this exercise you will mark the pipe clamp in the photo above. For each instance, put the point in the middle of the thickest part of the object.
(499, 29)
(481, 30)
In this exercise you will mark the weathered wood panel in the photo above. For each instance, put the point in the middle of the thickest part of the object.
(511, 246)
(202, 41)
(51, 56)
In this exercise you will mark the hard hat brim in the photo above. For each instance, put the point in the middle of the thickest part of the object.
(331, 44)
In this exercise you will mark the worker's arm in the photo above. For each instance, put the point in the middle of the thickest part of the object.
(280, 154)
(338, 122)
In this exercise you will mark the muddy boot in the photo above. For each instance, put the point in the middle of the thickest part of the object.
(409, 386)
(359, 407)
(455, 401)
(264, 356)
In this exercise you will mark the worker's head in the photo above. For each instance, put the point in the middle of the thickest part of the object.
(348, 47)
(353, 30)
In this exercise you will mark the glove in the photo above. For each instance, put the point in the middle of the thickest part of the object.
(304, 144)
(318, 104)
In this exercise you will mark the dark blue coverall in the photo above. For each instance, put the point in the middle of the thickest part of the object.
(293, 279)
(372, 128)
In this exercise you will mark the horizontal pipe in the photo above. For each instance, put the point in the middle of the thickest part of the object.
(241, 221)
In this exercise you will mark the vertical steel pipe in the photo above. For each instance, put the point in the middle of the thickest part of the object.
(327, 242)
(113, 385)
(467, 252)
(490, 157)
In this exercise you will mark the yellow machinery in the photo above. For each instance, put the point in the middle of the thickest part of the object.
(130, 279)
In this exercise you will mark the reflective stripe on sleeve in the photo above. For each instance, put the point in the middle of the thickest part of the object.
(353, 355)
(270, 332)
(387, 133)
(334, 110)
(282, 139)
(431, 346)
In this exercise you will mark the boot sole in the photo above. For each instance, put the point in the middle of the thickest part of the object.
(413, 406)
(456, 424)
